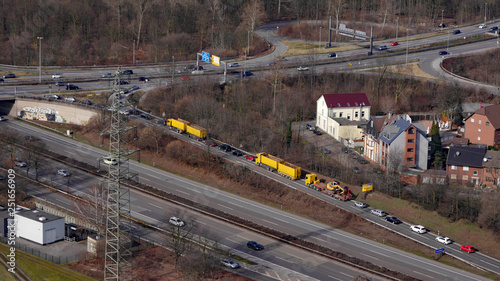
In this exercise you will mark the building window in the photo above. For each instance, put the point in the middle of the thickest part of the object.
(472, 120)
(478, 138)
(488, 170)
(348, 116)
(340, 114)
(322, 112)
(474, 173)
(465, 168)
(479, 129)
(362, 114)
(487, 123)
(489, 179)
(465, 177)
(334, 114)
(409, 159)
(411, 131)
(356, 114)
(498, 132)
(411, 140)
(453, 167)
(453, 176)
(479, 121)
(409, 150)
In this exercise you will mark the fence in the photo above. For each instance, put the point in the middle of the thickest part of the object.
(40, 254)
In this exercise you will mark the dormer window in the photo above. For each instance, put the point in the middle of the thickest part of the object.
(356, 103)
(338, 104)
(348, 105)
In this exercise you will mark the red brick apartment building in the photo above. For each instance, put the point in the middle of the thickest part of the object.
(483, 126)
(465, 165)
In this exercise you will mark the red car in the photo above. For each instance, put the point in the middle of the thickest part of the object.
(394, 43)
(186, 78)
(250, 157)
(467, 248)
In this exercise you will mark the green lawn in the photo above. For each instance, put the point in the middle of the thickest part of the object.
(40, 269)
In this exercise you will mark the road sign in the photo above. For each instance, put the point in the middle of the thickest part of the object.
(439, 251)
(205, 56)
(216, 60)
(367, 187)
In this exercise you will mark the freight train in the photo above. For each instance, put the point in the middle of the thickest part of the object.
(275, 164)
(183, 126)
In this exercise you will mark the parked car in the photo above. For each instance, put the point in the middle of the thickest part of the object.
(3, 118)
(393, 220)
(482, 26)
(383, 47)
(467, 248)
(237, 153)
(87, 102)
(302, 68)
(332, 55)
(176, 221)
(230, 263)
(234, 64)
(9, 75)
(60, 83)
(345, 149)
(255, 246)
(146, 116)
(20, 163)
(325, 150)
(360, 204)
(107, 75)
(457, 31)
(362, 160)
(225, 147)
(145, 79)
(1, 80)
(356, 170)
(418, 228)
(378, 212)
(310, 127)
(250, 157)
(317, 132)
(442, 25)
(63, 173)
(123, 82)
(395, 43)
(56, 76)
(444, 240)
(70, 99)
(443, 53)
(211, 143)
(72, 87)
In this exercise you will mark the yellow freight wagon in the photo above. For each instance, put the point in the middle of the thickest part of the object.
(289, 170)
(178, 124)
(196, 131)
(268, 160)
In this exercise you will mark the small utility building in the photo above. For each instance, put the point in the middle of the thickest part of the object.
(39, 227)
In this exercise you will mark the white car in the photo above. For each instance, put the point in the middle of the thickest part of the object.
(444, 240)
(234, 64)
(20, 164)
(176, 221)
(378, 212)
(63, 173)
(56, 76)
(110, 160)
(125, 112)
(482, 26)
(230, 263)
(70, 99)
(302, 68)
(56, 97)
(360, 204)
(418, 228)
(3, 118)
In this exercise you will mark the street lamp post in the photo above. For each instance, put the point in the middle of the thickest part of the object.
(248, 43)
(319, 44)
(448, 45)
(486, 3)
(397, 28)
(442, 20)
(407, 32)
(39, 59)
(133, 53)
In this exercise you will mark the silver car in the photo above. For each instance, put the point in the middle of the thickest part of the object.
(378, 212)
(230, 263)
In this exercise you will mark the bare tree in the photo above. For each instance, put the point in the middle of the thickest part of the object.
(180, 236)
(91, 209)
(141, 6)
(32, 155)
(253, 15)
(9, 140)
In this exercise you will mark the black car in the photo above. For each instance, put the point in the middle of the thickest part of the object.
(9, 75)
(87, 102)
(72, 87)
(317, 132)
(442, 25)
(493, 28)
(362, 160)
(146, 116)
(457, 31)
(332, 55)
(60, 83)
(123, 82)
(128, 71)
(237, 153)
(1, 80)
(255, 246)
(325, 150)
(135, 112)
(345, 149)
(145, 79)
(225, 147)
(393, 220)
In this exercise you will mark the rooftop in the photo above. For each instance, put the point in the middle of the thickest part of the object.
(346, 100)
(38, 215)
(468, 156)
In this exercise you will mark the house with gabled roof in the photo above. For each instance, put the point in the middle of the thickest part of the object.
(491, 168)
(343, 116)
(403, 144)
(465, 164)
(483, 126)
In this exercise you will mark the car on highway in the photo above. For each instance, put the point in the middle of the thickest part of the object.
(60, 83)
(1, 80)
(493, 28)
(441, 25)
(255, 246)
(70, 99)
(110, 160)
(125, 111)
(176, 221)
(457, 31)
(9, 75)
(229, 263)
(72, 87)
(20, 163)
(55, 97)
(482, 26)
(250, 157)
(56, 76)
(238, 153)
(107, 75)
(247, 73)
(467, 248)
(393, 220)
(234, 64)
(382, 48)
(63, 173)
(127, 71)
(302, 68)
(444, 240)
(135, 112)
(443, 53)
(225, 147)
(378, 212)
(210, 143)
(146, 116)
(145, 79)
(87, 102)
(360, 204)
(418, 229)
(333, 55)
(395, 43)
(123, 82)
(3, 118)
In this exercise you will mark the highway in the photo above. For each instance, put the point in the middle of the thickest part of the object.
(324, 235)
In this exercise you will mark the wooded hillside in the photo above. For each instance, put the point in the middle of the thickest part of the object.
(104, 32)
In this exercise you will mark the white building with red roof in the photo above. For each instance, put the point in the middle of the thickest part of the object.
(343, 116)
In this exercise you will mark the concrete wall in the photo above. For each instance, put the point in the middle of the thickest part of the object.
(45, 110)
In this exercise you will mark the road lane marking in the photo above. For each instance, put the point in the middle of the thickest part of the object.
(155, 205)
(225, 206)
(269, 222)
(423, 274)
(490, 263)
